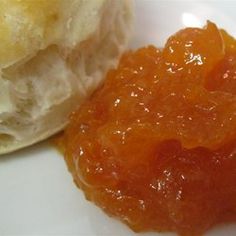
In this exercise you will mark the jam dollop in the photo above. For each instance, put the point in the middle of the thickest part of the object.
(155, 145)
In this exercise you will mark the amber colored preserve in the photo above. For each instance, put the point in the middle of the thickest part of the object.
(155, 145)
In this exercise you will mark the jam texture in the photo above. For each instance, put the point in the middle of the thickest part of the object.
(155, 145)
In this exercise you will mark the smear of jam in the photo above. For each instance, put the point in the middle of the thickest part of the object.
(155, 145)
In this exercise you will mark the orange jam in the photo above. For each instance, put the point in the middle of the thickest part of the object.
(155, 145)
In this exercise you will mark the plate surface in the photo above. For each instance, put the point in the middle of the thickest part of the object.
(37, 194)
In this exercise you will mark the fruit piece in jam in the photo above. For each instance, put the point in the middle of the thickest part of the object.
(155, 145)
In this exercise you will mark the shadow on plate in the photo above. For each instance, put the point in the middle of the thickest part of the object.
(27, 152)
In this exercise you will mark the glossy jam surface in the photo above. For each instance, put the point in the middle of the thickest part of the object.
(155, 146)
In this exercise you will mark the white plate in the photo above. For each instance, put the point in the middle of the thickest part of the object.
(37, 195)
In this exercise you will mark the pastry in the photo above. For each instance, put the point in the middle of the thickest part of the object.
(53, 54)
